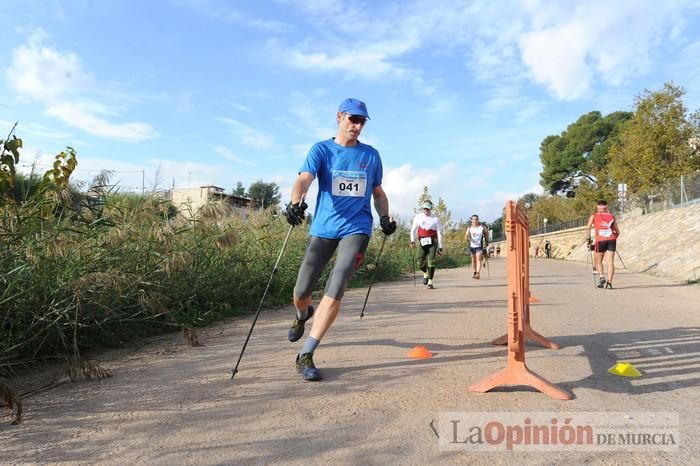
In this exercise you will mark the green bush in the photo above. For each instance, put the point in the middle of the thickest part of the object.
(79, 275)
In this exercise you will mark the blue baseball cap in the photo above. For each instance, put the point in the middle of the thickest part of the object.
(353, 107)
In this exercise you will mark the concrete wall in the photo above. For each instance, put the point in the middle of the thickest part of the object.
(189, 199)
(663, 243)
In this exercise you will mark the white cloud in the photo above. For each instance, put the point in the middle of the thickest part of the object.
(559, 45)
(242, 108)
(219, 10)
(556, 57)
(58, 81)
(190, 174)
(248, 135)
(369, 61)
(566, 46)
(313, 117)
(38, 130)
(404, 185)
(86, 116)
(44, 74)
(380, 40)
(230, 155)
(568, 53)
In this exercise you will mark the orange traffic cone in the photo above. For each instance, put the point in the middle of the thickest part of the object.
(420, 352)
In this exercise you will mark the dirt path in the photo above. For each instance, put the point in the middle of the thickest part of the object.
(173, 404)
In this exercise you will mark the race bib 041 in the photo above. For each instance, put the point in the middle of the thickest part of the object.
(349, 183)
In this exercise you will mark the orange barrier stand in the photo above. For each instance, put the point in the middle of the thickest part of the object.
(516, 371)
(530, 334)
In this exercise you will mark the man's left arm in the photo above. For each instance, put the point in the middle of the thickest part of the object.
(381, 205)
(381, 202)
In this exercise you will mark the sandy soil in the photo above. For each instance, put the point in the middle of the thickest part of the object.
(169, 403)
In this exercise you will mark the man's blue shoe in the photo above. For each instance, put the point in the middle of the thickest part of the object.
(305, 365)
(296, 331)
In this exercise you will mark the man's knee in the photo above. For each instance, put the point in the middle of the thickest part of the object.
(301, 301)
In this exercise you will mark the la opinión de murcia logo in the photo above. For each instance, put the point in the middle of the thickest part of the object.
(609, 431)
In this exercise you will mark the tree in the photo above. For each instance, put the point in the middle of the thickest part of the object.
(443, 214)
(496, 228)
(9, 157)
(264, 194)
(425, 196)
(527, 201)
(559, 209)
(581, 151)
(440, 209)
(23, 187)
(657, 143)
(239, 190)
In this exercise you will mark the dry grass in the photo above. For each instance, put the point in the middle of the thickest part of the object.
(11, 400)
(77, 368)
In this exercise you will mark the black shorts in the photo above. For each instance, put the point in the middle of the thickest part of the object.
(475, 250)
(603, 246)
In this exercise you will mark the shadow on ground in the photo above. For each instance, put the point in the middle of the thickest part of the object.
(669, 359)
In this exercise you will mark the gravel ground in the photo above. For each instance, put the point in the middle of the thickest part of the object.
(169, 403)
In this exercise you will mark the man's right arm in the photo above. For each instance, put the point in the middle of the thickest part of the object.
(414, 227)
(301, 186)
(296, 208)
(588, 227)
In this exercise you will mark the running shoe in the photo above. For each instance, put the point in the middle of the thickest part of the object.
(305, 365)
(602, 282)
(296, 331)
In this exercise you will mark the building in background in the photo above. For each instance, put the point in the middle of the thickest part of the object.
(189, 200)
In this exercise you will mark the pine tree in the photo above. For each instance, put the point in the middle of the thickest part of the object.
(422, 198)
(443, 213)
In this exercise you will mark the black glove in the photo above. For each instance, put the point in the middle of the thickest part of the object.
(388, 226)
(295, 213)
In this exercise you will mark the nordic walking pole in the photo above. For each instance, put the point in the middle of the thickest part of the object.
(267, 288)
(413, 262)
(374, 272)
(620, 257)
(590, 259)
(595, 272)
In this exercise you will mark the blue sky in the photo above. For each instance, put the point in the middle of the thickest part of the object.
(460, 93)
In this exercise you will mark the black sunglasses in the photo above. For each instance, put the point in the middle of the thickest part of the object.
(354, 119)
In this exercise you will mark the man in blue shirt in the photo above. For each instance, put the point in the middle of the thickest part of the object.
(349, 174)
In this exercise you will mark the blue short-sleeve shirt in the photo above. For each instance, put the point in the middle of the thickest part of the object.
(347, 177)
